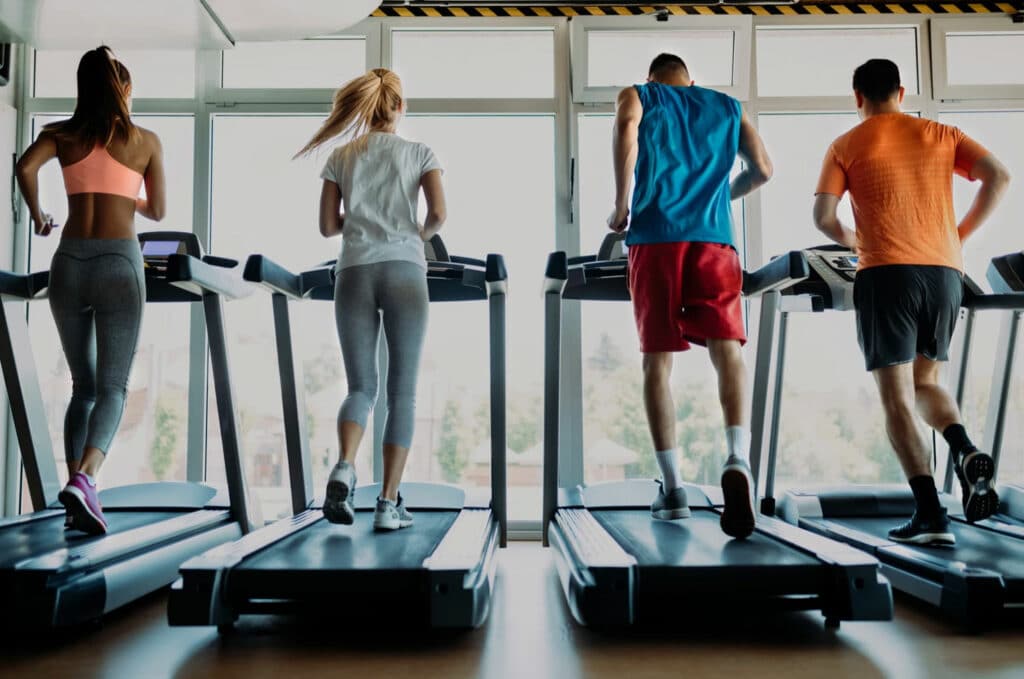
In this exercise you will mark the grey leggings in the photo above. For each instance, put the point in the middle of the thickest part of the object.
(97, 293)
(394, 293)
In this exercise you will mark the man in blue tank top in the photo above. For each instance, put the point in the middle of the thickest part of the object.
(679, 142)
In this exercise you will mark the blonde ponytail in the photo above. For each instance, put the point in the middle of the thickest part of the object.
(361, 104)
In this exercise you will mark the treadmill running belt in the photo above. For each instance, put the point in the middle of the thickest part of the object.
(975, 546)
(694, 542)
(34, 538)
(325, 559)
(324, 546)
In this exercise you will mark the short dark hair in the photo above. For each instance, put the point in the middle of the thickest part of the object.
(666, 62)
(877, 80)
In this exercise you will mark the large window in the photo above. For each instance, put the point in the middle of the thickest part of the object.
(999, 132)
(151, 442)
(298, 64)
(783, 55)
(488, 63)
(282, 224)
(499, 181)
(163, 74)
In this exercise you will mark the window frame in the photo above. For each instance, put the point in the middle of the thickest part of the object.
(582, 27)
(941, 28)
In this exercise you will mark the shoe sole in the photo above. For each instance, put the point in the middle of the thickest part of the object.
(980, 498)
(928, 539)
(82, 516)
(671, 514)
(337, 509)
(738, 516)
(391, 526)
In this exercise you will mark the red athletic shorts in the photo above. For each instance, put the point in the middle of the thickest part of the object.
(685, 292)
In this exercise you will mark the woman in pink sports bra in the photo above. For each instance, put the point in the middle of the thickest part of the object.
(97, 289)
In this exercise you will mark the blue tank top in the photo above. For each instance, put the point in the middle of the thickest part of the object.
(687, 145)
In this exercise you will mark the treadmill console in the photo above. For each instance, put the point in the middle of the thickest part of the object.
(1006, 274)
(833, 269)
(158, 246)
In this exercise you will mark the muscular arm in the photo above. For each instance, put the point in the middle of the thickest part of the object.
(437, 210)
(42, 150)
(331, 219)
(826, 218)
(628, 114)
(154, 205)
(995, 179)
(758, 169)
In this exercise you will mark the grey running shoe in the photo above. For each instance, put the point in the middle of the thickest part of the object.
(391, 515)
(975, 470)
(737, 488)
(339, 505)
(923, 531)
(670, 506)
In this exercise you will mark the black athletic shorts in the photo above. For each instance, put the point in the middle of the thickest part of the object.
(904, 310)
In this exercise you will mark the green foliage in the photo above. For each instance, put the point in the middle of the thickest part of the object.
(321, 371)
(165, 439)
(452, 448)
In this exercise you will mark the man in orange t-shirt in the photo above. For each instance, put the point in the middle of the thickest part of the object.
(898, 170)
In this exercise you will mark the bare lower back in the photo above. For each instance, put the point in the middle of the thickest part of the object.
(100, 215)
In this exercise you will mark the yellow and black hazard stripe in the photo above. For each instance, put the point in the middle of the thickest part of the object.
(580, 9)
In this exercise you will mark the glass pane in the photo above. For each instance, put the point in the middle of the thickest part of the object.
(284, 227)
(797, 144)
(160, 74)
(998, 131)
(486, 214)
(295, 64)
(151, 442)
(475, 64)
(783, 55)
(621, 58)
(984, 58)
(616, 440)
(844, 409)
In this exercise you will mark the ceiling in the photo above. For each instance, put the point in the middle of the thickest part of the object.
(182, 24)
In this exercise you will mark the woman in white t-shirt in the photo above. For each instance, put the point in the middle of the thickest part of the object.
(381, 275)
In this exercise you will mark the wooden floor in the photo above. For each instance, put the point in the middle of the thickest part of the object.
(529, 634)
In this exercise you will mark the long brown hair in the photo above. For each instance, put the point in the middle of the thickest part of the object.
(369, 101)
(101, 112)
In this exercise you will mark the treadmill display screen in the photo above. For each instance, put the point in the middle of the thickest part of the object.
(161, 248)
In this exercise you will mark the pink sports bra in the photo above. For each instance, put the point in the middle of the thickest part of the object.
(100, 172)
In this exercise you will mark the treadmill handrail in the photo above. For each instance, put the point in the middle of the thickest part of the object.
(262, 270)
(186, 271)
(782, 272)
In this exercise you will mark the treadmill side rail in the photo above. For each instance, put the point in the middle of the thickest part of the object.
(597, 575)
(462, 569)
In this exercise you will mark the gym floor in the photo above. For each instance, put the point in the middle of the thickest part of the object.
(529, 634)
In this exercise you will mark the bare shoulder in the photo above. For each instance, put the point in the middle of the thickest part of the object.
(150, 140)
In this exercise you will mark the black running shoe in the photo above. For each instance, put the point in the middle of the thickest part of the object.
(738, 515)
(975, 471)
(670, 506)
(920, 531)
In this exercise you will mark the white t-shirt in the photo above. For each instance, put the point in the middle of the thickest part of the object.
(380, 188)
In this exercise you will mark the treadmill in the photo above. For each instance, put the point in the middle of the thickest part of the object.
(618, 566)
(439, 572)
(969, 582)
(51, 577)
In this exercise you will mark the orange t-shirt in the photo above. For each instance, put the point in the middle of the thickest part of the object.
(899, 171)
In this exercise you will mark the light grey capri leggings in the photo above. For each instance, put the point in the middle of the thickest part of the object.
(392, 294)
(97, 293)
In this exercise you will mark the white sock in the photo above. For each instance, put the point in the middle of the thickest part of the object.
(91, 480)
(738, 440)
(668, 461)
